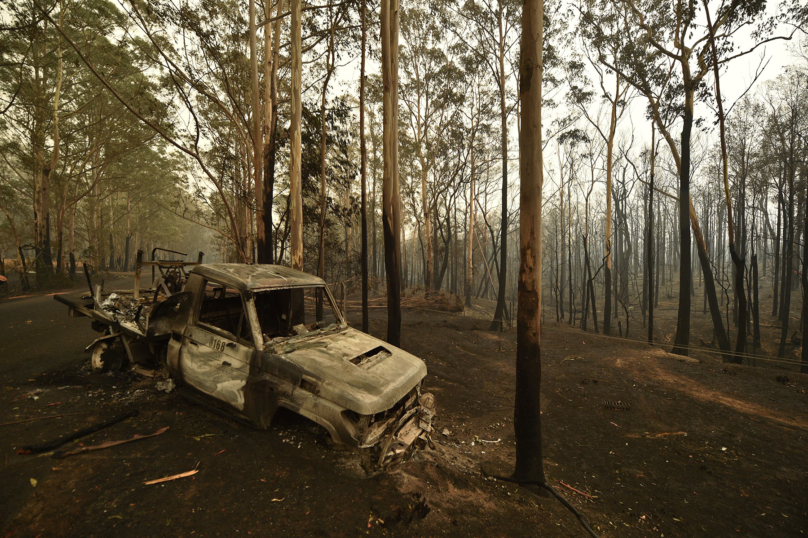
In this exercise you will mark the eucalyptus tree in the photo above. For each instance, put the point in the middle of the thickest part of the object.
(527, 409)
(391, 200)
(334, 18)
(569, 163)
(295, 188)
(429, 85)
(490, 28)
(478, 113)
(32, 77)
(91, 133)
(363, 167)
(666, 56)
(615, 101)
(181, 61)
(787, 101)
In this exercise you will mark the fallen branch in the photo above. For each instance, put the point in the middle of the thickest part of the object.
(45, 447)
(579, 492)
(654, 436)
(43, 418)
(108, 444)
(172, 477)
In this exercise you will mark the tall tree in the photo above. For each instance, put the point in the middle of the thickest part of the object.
(428, 93)
(617, 104)
(330, 61)
(257, 138)
(363, 156)
(492, 26)
(391, 197)
(657, 39)
(740, 266)
(527, 409)
(271, 60)
(295, 179)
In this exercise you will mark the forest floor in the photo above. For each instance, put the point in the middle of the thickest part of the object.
(704, 449)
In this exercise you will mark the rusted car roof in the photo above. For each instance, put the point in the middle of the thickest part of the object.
(255, 277)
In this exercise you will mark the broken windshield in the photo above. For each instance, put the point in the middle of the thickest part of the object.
(291, 312)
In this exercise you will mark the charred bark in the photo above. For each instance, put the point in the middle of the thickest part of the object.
(527, 409)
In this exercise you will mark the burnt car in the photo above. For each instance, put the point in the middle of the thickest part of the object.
(258, 337)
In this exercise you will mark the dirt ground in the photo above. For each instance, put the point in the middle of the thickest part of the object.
(703, 449)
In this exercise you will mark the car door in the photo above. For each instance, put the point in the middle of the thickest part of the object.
(218, 347)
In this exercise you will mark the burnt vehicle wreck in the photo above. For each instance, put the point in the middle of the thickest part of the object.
(255, 338)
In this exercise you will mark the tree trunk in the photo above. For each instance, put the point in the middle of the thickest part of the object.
(789, 262)
(756, 303)
(775, 291)
(607, 270)
(650, 266)
(24, 283)
(430, 256)
(561, 264)
(470, 235)
(527, 408)
(391, 199)
(364, 172)
(499, 313)
(804, 327)
(72, 242)
(740, 266)
(323, 146)
(257, 140)
(374, 254)
(271, 59)
(682, 340)
(295, 178)
(569, 254)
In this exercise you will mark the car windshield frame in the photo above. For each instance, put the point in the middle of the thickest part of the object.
(258, 329)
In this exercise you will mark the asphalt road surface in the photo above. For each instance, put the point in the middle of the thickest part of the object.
(36, 335)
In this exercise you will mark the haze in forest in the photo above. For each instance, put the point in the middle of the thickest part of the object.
(215, 128)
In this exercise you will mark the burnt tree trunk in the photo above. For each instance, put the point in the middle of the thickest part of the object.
(364, 172)
(391, 200)
(682, 340)
(527, 408)
(785, 305)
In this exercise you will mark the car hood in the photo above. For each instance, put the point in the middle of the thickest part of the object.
(348, 367)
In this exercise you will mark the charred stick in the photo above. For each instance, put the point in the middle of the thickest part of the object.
(45, 447)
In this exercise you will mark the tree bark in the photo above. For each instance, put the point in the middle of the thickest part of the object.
(740, 266)
(682, 340)
(775, 290)
(391, 199)
(499, 313)
(789, 263)
(329, 69)
(257, 140)
(650, 266)
(804, 327)
(295, 178)
(72, 242)
(527, 409)
(364, 172)
(607, 273)
(470, 235)
(271, 59)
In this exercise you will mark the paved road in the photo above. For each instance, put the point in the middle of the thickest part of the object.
(37, 339)
(36, 336)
